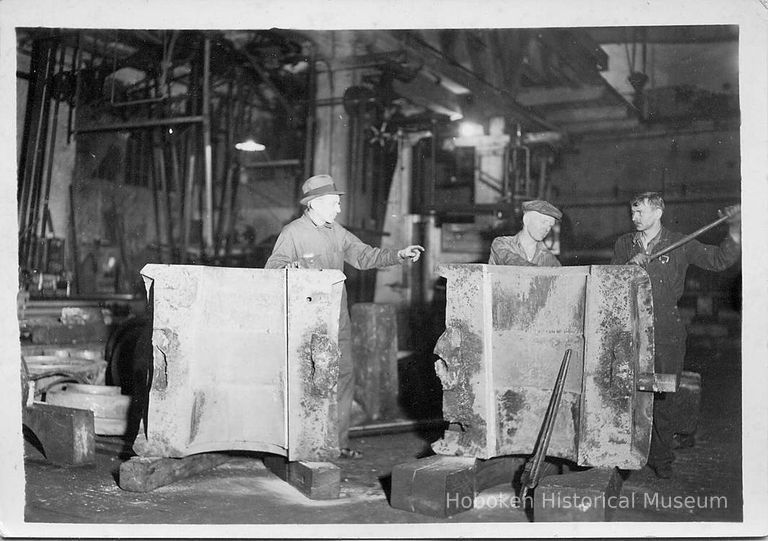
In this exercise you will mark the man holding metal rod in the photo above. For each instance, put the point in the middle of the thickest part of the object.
(666, 256)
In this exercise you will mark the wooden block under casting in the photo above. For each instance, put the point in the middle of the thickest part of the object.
(143, 474)
(316, 480)
(438, 485)
(66, 434)
(586, 496)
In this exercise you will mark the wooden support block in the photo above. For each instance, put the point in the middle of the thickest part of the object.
(585, 496)
(316, 480)
(66, 434)
(143, 474)
(438, 485)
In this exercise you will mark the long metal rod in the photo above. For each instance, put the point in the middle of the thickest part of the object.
(686, 239)
(554, 405)
(532, 469)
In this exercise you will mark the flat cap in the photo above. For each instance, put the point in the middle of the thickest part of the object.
(543, 207)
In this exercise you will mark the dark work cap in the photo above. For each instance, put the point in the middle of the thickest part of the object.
(542, 207)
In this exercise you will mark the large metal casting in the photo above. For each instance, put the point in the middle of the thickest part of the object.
(506, 331)
(244, 359)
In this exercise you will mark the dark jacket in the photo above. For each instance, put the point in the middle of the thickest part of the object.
(667, 275)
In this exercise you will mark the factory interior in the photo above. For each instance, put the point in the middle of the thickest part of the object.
(156, 169)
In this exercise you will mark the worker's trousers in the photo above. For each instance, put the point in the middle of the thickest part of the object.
(346, 387)
(663, 431)
(670, 351)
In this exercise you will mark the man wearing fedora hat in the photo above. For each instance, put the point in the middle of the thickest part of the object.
(316, 241)
(527, 248)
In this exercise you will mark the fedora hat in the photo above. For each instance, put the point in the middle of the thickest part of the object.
(316, 186)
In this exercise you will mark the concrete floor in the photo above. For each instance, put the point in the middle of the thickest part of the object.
(243, 491)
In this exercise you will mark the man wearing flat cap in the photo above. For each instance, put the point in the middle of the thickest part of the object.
(316, 241)
(527, 248)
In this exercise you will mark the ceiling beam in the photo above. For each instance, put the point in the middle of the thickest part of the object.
(427, 92)
(571, 115)
(665, 34)
(560, 95)
(489, 99)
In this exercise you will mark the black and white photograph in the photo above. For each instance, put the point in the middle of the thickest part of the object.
(384, 269)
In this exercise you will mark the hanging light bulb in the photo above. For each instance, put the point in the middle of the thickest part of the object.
(249, 145)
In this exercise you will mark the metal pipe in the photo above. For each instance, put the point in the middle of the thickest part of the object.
(138, 102)
(232, 209)
(379, 429)
(176, 175)
(73, 105)
(542, 176)
(21, 185)
(433, 165)
(188, 192)
(229, 141)
(51, 153)
(207, 152)
(73, 233)
(160, 153)
(140, 124)
(39, 160)
(34, 118)
(309, 134)
(667, 200)
(155, 204)
(273, 163)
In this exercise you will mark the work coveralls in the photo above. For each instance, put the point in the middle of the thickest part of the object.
(328, 246)
(509, 251)
(667, 275)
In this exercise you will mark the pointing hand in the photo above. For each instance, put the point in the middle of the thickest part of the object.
(412, 252)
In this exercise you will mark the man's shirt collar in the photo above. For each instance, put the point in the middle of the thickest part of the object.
(316, 224)
(637, 239)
